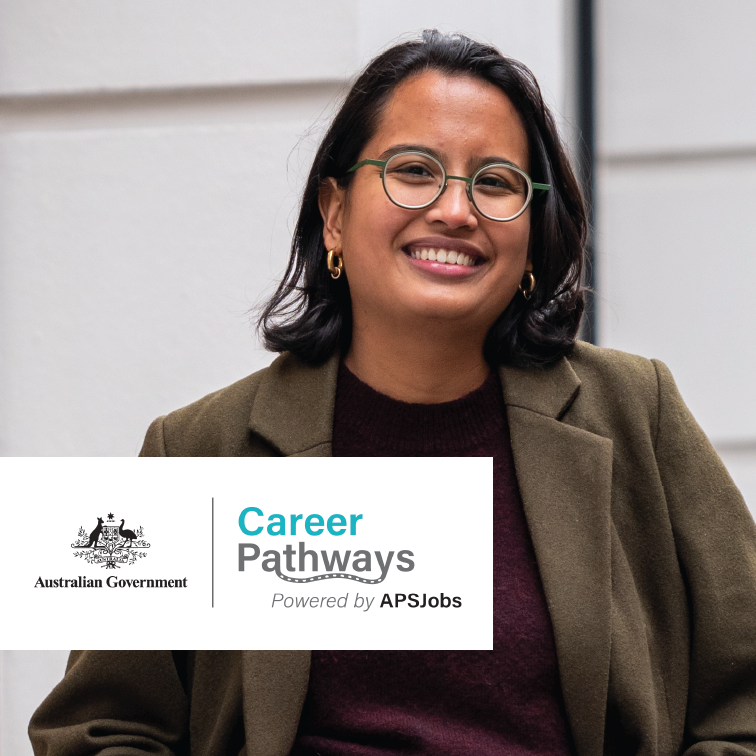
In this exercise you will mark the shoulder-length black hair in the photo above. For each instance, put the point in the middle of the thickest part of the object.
(310, 312)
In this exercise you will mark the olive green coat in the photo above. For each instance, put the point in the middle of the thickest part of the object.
(646, 551)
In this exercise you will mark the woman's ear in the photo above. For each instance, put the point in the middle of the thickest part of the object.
(331, 203)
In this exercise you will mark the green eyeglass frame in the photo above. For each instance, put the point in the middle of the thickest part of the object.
(470, 181)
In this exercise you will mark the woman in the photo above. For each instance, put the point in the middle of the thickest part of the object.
(430, 307)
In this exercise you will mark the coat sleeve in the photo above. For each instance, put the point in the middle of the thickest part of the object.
(114, 703)
(716, 543)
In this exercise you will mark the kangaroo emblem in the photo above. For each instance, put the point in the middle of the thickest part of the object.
(94, 536)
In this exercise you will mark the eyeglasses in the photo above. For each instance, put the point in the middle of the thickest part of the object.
(414, 180)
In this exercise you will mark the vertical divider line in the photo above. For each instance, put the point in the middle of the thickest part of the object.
(212, 553)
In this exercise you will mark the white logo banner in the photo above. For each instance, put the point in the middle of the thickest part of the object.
(246, 553)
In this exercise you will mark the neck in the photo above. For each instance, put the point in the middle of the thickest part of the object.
(421, 366)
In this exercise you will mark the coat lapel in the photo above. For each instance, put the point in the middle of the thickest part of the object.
(565, 476)
(293, 408)
(274, 686)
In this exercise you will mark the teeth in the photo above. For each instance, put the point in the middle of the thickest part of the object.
(448, 256)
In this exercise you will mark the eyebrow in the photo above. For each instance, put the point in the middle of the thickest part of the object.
(442, 157)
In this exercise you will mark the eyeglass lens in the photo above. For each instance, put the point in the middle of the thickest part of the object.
(413, 181)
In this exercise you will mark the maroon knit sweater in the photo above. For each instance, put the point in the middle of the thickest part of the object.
(460, 703)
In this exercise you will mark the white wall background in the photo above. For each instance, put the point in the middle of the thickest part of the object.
(677, 191)
(25, 679)
(151, 156)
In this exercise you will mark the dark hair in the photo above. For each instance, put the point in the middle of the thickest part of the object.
(310, 312)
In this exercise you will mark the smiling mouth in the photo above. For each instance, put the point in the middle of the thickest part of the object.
(446, 256)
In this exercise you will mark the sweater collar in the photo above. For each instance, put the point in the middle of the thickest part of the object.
(397, 428)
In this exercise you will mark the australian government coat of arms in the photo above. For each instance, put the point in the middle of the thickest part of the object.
(110, 545)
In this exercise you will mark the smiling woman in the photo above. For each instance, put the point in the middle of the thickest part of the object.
(400, 300)
(430, 159)
(430, 307)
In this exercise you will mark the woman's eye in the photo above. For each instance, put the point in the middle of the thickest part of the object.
(494, 182)
(412, 171)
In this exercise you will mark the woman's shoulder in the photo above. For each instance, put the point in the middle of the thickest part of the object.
(621, 389)
(588, 373)
(222, 424)
(601, 390)
(201, 428)
(614, 369)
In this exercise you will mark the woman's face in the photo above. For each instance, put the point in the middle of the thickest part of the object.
(467, 123)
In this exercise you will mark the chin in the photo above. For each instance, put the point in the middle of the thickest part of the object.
(450, 312)
(464, 309)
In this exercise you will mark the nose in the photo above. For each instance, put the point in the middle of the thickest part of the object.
(453, 207)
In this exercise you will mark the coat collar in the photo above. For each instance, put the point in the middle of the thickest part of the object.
(293, 408)
(565, 475)
(548, 391)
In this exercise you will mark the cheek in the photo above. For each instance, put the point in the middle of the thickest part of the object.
(513, 245)
(370, 228)
(521, 229)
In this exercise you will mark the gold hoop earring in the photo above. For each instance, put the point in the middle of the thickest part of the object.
(335, 263)
(527, 292)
